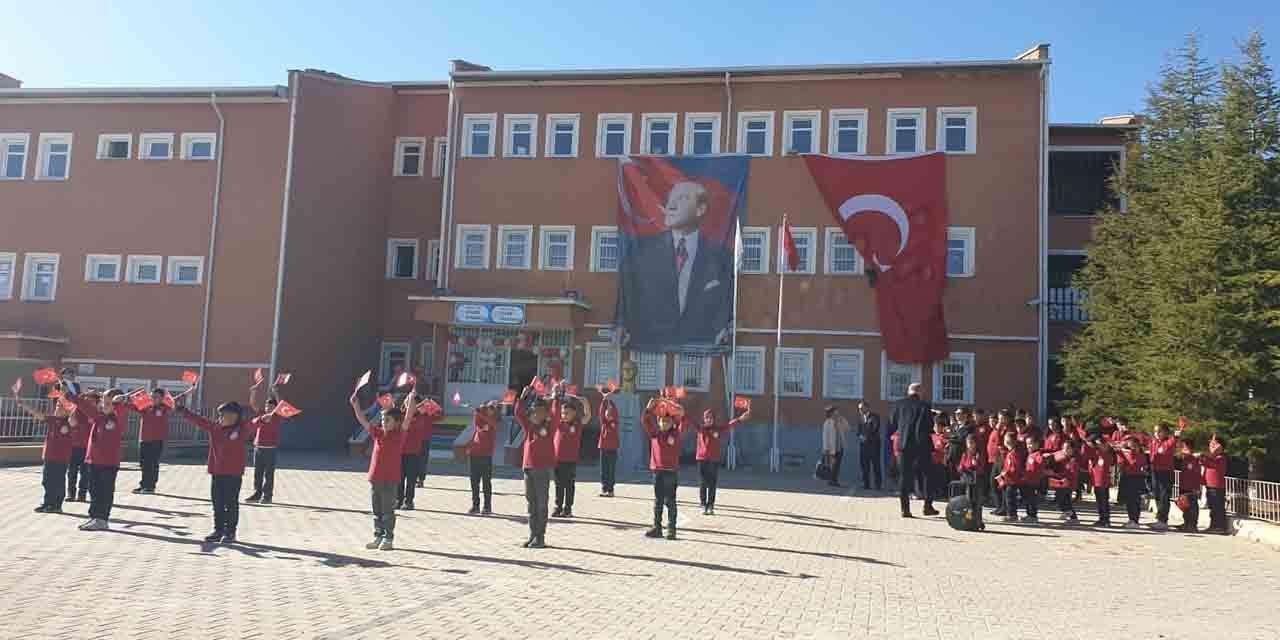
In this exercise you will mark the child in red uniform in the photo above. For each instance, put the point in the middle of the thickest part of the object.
(384, 467)
(534, 418)
(1064, 477)
(264, 448)
(480, 456)
(608, 444)
(227, 439)
(937, 478)
(973, 472)
(108, 418)
(574, 416)
(77, 470)
(995, 458)
(1133, 478)
(710, 434)
(1012, 470)
(151, 437)
(1055, 438)
(1189, 486)
(1161, 452)
(1101, 459)
(665, 425)
(1214, 466)
(58, 435)
(413, 455)
(1033, 479)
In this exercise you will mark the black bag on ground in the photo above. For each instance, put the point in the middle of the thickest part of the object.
(959, 514)
(822, 471)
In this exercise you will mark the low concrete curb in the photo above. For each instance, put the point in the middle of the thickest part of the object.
(1257, 531)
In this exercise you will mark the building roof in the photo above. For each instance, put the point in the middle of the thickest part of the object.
(271, 91)
(678, 72)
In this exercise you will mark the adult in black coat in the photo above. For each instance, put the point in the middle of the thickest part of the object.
(912, 419)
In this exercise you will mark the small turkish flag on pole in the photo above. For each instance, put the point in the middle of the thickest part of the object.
(789, 245)
(405, 379)
(283, 378)
(45, 376)
(741, 403)
(17, 387)
(286, 410)
(169, 400)
(190, 377)
(430, 407)
(364, 380)
(509, 397)
(257, 378)
(457, 399)
(141, 402)
(538, 386)
(67, 405)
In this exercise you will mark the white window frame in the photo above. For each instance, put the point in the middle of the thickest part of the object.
(811, 262)
(970, 114)
(189, 140)
(42, 158)
(439, 156)
(661, 364)
(392, 245)
(175, 265)
(829, 254)
(384, 357)
(765, 248)
(748, 116)
(7, 139)
(470, 119)
(922, 126)
(557, 118)
(597, 231)
(591, 377)
(756, 384)
(427, 357)
(828, 358)
(402, 143)
(833, 131)
(145, 140)
(697, 117)
(544, 254)
(509, 120)
(11, 259)
(102, 383)
(29, 262)
(94, 260)
(136, 261)
(778, 353)
(647, 120)
(968, 236)
(788, 123)
(104, 144)
(432, 266)
(967, 399)
(706, 371)
(917, 375)
(503, 231)
(604, 119)
(459, 260)
(132, 384)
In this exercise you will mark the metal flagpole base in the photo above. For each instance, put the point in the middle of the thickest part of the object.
(775, 459)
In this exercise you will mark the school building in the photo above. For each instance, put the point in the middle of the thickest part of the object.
(466, 229)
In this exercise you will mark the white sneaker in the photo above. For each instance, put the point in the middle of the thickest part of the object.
(386, 545)
(377, 542)
(97, 525)
(1132, 525)
(84, 526)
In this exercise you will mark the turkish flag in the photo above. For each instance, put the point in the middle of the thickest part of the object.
(430, 408)
(45, 376)
(286, 410)
(789, 245)
(141, 402)
(190, 377)
(742, 403)
(894, 210)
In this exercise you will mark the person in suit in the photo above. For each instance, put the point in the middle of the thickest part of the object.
(834, 430)
(677, 286)
(868, 430)
(912, 420)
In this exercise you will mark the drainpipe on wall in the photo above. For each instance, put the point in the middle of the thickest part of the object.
(295, 90)
(731, 377)
(446, 197)
(728, 120)
(1042, 344)
(213, 243)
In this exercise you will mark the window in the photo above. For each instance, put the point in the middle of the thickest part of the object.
(842, 257)
(842, 374)
(960, 252)
(174, 387)
(562, 135)
(479, 134)
(603, 362)
(557, 248)
(659, 134)
(693, 371)
(144, 269)
(906, 131)
(520, 136)
(1066, 302)
(748, 370)
(806, 244)
(433, 259)
(755, 250)
(651, 370)
(427, 357)
(755, 133)
(794, 367)
(439, 156)
(515, 246)
(472, 250)
(155, 146)
(958, 129)
(409, 152)
(802, 131)
(402, 258)
(613, 135)
(40, 277)
(129, 385)
(187, 270)
(701, 134)
(7, 260)
(953, 379)
(394, 355)
(13, 155)
(895, 377)
(54, 162)
(1080, 181)
(115, 146)
(199, 146)
(605, 250)
(102, 383)
(101, 268)
(848, 132)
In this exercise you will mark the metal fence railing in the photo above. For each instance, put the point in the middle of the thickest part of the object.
(1245, 498)
(16, 427)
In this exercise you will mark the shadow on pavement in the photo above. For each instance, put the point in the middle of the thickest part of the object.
(816, 554)
(710, 566)
(528, 564)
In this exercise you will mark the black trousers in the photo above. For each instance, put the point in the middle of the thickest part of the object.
(426, 457)
(225, 492)
(1131, 489)
(835, 461)
(481, 468)
(1063, 497)
(1191, 517)
(54, 480)
(537, 482)
(1102, 495)
(1216, 499)
(1030, 497)
(149, 459)
(608, 470)
(102, 490)
(76, 469)
(410, 471)
(1164, 493)
(566, 479)
(264, 471)
(664, 495)
(976, 493)
(869, 460)
(709, 470)
(914, 468)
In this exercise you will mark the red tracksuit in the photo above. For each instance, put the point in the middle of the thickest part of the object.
(710, 439)
(539, 439)
(483, 437)
(664, 446)
(608, 440)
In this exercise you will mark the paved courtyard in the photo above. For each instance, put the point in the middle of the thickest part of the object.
(781, 559)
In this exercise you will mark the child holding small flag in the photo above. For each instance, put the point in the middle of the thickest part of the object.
(665, 423)
(538, 421)
(572, 418)
(1189, 488)
(56, 452)
(108, 417)
(275, 412)
(226, 464)
(384, 467)
(710, 435)
(480, 456)
(417, 435)
(608, 443)
(1214, 469)
(151, 437)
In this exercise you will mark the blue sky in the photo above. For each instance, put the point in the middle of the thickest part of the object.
(1104, 53)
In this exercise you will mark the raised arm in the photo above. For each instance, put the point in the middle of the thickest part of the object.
(738, 421)
(521, 410)
(584, 416)
(31, 411)
(253, 399)
(650, 423)
(202, 423)
(359, 413)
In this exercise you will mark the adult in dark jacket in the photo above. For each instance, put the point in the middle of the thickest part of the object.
(869, 447)
(912, 419)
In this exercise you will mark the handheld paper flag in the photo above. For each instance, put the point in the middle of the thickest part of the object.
(509, 397)
(169, 401)
(257, 377)
(141, 402)
(430, 408)
(283, 378)
(17, 387)
(612, 385)
(600, 389)
(1182, 422)
(286, 410)
(45, 376)
(538, 386)
(67, 405)
(364, 380)
(54, 394)
(571, 389)
(680, 393)
(457, 399)
(386, 401)
(741, 403)
(190, 377)
(405, 379)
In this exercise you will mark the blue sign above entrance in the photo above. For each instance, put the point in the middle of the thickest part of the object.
(489, 313)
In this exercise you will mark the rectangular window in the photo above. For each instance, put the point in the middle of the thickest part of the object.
(557, 248)
(144, 269)
(433, 260)
(409, 154)
(958, 129)
(186, 270)
(748, 370)
(603, 362)
(953, 379)
(199, 146)
(842, 257)
(13, 155)
(562, 135)
(174, 387)
(848, 132)
(651, 370)
(1080, 182)
(806, 239)
(906, 131)
(605, 251)
(129, 385)
(40, 277)
(960, 252)
(439, 156)
(895, 377)
(402, 258)
(155, 146)
(515, 246)
(472, 250)
(101, 268)
(7, 262)
(755, 133)
(478, 129)
(395, 355)
(693, 371)
(802, 131)
(427, 357)
(755, 250)
(613, 135)
(701, 134)
(794, 366)
(842, 374)
(54, 162)
(658, 136)
(115, 146)
(520, 136)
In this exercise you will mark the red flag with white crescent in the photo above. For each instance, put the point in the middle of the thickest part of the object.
(789, 245)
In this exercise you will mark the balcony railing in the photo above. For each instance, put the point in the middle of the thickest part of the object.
(1066, 304)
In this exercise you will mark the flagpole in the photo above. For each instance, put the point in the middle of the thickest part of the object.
(775, 456)
(731, 455)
